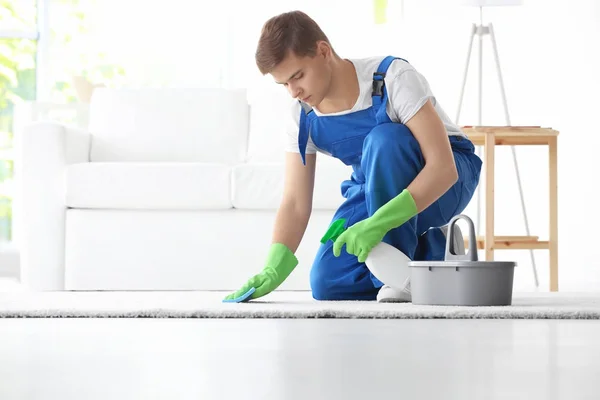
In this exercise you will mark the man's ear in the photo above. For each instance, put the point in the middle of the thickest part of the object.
(323, 49)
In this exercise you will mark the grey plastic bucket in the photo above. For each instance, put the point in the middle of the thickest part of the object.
(461, 279)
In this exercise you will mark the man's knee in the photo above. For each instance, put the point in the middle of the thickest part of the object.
(391, 159)
(390, 136)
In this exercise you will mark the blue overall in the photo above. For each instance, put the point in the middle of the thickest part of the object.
(385, 158)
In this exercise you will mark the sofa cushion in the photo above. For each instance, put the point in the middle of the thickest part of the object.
(169, 124)
(148, 186)
(260, 185)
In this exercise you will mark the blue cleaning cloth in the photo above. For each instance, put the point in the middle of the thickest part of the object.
(242, 298)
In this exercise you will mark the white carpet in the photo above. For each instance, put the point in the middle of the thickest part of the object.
(190, 304)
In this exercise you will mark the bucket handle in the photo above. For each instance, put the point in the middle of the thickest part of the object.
(471, 254)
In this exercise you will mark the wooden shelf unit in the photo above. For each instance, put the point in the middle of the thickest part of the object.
(491, 136)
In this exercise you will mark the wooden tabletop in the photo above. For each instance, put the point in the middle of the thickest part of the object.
(511, 135)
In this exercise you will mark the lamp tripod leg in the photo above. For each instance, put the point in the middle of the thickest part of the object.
(464, 82)
(474, 31)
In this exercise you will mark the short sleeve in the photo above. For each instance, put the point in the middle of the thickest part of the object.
(408, 91)
(292, 130)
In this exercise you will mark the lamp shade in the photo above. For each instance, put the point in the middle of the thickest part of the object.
(491, 3)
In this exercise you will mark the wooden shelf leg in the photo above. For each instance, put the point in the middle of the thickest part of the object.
(553, 217)
(489, 148)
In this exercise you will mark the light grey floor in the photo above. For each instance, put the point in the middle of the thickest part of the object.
(298, 359)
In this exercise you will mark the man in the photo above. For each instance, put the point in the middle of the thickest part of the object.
(413, 169)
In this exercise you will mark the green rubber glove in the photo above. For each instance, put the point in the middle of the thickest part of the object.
(279, 265)
(361, 237)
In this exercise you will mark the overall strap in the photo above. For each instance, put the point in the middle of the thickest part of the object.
(379, 93)
(306, 116)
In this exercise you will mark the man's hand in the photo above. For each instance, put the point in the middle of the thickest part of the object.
(280, 264)
(263, 283)
(360, 239)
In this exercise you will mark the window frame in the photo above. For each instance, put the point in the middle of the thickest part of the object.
(41, 35)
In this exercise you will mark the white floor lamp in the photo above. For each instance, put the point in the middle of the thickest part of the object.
(480, 31)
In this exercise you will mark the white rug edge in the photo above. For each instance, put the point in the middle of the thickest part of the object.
(201, 304)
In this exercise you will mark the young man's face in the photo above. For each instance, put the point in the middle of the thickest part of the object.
(306, 78)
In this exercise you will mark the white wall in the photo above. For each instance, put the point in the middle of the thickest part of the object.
(549, 52)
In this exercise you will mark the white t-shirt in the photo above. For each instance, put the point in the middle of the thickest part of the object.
(407, 92)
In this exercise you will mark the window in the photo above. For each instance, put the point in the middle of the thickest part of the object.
(18, 49)
(47, 49)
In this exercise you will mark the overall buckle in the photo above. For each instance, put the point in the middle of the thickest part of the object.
(378, 83)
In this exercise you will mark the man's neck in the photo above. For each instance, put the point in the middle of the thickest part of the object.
(344, 88)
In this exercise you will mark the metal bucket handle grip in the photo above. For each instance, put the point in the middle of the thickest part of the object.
(471, 254)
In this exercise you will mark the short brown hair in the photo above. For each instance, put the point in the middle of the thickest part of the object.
(291, 31)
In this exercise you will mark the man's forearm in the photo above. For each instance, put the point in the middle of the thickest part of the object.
(431, 183)
(290, 225)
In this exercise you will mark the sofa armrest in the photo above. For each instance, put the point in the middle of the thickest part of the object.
(43, 151)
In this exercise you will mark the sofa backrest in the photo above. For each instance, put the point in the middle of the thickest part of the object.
(169, 124)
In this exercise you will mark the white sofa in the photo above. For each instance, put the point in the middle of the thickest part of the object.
(167, 189)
